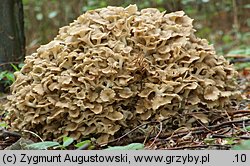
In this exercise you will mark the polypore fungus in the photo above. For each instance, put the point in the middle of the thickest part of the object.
(115, 68)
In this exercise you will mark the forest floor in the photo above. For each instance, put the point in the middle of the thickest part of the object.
(234, 129)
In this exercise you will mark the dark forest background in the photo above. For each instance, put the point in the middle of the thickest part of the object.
(225, 23)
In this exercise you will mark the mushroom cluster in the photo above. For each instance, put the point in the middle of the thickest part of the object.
(115, 68)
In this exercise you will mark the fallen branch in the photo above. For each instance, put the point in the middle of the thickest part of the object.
(239, 112)
(31, 132)
(228, 123)
(240, 60)
(236, 56)
(118, 139)
(156, 135)
(228, 136)
(179, 134)
(198, 146)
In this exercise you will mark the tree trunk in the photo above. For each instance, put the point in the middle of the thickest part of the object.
(12, 40)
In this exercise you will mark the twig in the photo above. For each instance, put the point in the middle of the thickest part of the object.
(185, 133)
(199, 130)
(204, 126)
(31, 132)
(224, 131)
(239, 112)
(147, 136)
(220, 136)
(185, 143)
(158, 134)
(197, 146)
(172, 135)
(176, 131)
(236, 56)
(228, 116)
(244, 137)
(228, 123)
(238, 60)
(118, 139)
(228, 136)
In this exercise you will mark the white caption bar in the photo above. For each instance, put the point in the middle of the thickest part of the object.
(120, 158)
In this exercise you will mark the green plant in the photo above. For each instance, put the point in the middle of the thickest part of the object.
(42, 145)
(52, 144)
(4, 125)
(229, 141)
(133, 146)
(247, 128)
(209, 141)
(242, 50)
(8, 77)
(86, 144)
(244, 145)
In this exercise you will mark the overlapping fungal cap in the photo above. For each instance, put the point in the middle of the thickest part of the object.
(115, 68)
